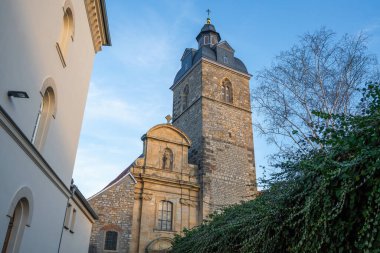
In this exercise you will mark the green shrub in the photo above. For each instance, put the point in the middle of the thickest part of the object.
(324, 200)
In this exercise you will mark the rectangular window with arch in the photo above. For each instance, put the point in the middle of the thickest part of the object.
(73, 219)
(207, 40)
(165, 216)
(110, 240)
(67, 216)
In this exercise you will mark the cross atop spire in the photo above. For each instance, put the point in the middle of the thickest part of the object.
(208, 16)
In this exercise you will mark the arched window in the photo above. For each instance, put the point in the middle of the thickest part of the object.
(185, 97)
(16, 227)
(227, 91)
(207, 40)
(165, 216)
(213, 40)
(67, 32)
(110, 240)
(167, 159)
(228, 94)
(225, 59)
(44, 116)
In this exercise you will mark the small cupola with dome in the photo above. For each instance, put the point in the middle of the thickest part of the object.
(208, 36)
(210, 48)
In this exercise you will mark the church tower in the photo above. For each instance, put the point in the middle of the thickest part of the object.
(211, 104)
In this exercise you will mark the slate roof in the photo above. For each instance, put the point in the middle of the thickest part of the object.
(122, 174)
(209, 52)
(208, 28)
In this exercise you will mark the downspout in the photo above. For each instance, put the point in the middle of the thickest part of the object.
(72, 192)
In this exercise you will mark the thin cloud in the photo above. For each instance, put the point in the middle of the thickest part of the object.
(105, 106)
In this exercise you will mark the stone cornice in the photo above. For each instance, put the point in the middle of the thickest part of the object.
(167, 182)
(211, 99)
(213, 63)
(98, 22)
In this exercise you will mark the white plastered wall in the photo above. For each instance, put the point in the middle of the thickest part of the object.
(77, 240)
(29, 56)
(48, 203)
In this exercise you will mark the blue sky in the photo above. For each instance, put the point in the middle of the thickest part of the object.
(129, 90)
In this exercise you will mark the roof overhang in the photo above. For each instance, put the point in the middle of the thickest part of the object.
(83, 204)
(98, 22)
(247, 75)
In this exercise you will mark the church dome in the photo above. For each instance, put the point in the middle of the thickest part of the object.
(208, 28)
(208, 35)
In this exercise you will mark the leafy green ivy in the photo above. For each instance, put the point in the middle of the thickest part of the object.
(327, 200)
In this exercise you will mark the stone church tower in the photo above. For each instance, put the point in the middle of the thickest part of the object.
(211, 104)
(199, 163)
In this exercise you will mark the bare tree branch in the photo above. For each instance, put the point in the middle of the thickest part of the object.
(320, 73)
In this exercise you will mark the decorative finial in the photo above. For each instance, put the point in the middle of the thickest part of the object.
(168, 118)
(208, 16)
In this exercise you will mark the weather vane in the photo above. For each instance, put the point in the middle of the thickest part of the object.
(208, 16)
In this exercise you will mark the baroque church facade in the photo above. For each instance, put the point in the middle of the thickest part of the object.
(199, 163)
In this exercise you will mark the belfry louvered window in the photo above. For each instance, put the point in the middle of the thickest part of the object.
(165, 215)
(227, 95)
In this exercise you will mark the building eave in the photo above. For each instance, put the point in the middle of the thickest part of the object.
(247, 75)
(105, 22)
(98, 22)
(83, 204)
(115, 181)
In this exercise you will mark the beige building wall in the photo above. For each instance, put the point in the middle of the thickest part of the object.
(130, 205)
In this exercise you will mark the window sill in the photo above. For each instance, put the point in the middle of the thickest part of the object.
(164, 231)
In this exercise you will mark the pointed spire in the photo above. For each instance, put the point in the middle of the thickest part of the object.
(208, 20)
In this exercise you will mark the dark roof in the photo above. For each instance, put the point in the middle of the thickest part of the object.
(211, 54)
(216, 52)
(205, 52)
(208, 28)
(84, 201)
(120, 176)
(239, 65)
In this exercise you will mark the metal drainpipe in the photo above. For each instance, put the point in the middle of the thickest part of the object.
(72, 190)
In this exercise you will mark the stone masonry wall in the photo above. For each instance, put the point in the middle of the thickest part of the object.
(228, 155)
(191, 118)
(221, 134)
(114, 207)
